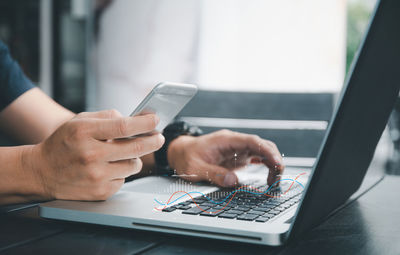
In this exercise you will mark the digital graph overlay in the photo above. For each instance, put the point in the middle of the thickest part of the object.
(230, 196)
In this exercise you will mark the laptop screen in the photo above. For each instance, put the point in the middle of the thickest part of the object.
(365, 104)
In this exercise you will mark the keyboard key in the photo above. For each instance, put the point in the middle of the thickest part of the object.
(280, 208)
(209, 204)
(195, 210)
(227, 215)
(169, 209)
(255, 212)
(211, 213)
(218, 200)
(262, 219)
(261, 209)
(252, 203)
(267, 206)
(222, 207)
(243, 209)
(275, 212)
(249, 217)
(183, 207)
(274, 203)
(185, 203)
(199, 200)
(233, 211)
(268, 215)
(244, 206)
(240, 202)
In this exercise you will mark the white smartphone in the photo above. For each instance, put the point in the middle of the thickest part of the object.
(166, 100)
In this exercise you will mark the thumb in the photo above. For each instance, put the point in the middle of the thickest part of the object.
(219, 175)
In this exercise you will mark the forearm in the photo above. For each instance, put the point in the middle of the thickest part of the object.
(33, 116)
(19, 180)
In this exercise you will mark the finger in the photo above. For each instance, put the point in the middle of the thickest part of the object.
(124, 168)
(266, 150)
(256, 160)
(254, 146)
(275, 165)
(132, 148)
(269, 154)
(106, 114)
(218, 175)
(103, 129)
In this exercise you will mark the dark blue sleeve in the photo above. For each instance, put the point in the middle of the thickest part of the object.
(13, 81)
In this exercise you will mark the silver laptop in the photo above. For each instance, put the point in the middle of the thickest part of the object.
(255, 212)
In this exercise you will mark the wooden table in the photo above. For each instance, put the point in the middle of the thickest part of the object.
(369, 225)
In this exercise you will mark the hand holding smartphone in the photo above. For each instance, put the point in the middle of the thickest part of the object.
(166, 100)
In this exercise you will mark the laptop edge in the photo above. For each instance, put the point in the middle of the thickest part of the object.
(359, 120)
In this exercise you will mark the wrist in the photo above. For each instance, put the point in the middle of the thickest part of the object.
(33, 167)
(173, 134)
(176, 149)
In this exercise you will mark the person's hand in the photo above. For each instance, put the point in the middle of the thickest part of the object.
(212, 157)
(84, 159)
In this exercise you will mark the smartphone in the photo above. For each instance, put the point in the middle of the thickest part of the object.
(166, 100)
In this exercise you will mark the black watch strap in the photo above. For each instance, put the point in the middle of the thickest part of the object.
(171, 132)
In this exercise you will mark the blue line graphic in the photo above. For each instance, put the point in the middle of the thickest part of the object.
(212, 201)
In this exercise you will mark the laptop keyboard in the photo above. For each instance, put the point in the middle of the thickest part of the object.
(243, 206)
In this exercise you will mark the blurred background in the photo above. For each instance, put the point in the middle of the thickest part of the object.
(274, 68)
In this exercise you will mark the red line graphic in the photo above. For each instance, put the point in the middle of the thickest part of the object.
(241, 187)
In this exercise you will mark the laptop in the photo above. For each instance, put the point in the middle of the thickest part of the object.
(271, 215)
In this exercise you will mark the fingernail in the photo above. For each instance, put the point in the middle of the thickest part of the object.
(230, 179)
(162, 139)
(278, 160)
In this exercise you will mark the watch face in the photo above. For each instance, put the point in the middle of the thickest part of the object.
(165, 171)
(175, 126)
(195, 131)
(171, 132)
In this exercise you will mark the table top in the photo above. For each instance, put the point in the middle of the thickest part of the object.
(368, 225)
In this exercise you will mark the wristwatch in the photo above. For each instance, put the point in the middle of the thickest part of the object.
(171, 132)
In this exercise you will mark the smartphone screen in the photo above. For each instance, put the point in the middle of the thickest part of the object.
(166, 100)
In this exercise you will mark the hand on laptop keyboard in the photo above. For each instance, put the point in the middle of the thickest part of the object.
(212, 157)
